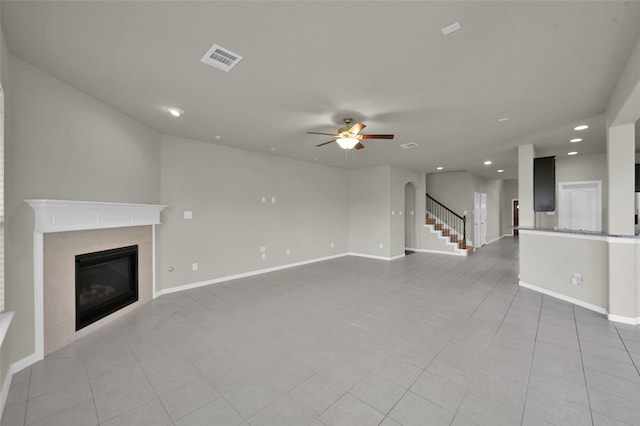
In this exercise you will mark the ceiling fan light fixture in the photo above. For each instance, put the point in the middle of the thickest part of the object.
(347, 143)
(176, 112)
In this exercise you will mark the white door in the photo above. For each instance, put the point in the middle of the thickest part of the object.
(483, 219)
(476, 219)
(479, 219)
(580, 205)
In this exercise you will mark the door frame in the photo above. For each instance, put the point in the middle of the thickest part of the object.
(479, 226)
(409, 217)
(514, 229)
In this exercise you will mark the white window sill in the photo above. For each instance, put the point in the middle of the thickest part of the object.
(5, 320)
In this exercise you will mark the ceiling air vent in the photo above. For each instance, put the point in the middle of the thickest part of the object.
(221, 58)
(408, 145)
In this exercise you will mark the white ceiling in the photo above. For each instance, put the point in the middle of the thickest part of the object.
(548, 66)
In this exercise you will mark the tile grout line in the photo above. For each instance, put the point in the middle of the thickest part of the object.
(93, 396)
(626, 349)
(26, 403)
(584, 373)
(487, 350)
(150, 384)
(449, 341)
(533, 354)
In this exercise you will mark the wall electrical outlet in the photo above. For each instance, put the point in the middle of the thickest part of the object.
(273, 200)
(381, 245)
(332, 245)
(264, 200)
(264, 256)
(288, 252)
(263, 249)
(188, 214)
(576, 278)
(194, 266)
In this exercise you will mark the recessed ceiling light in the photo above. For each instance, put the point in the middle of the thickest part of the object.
(218, 136)
(487, 163)
(581, 127)
(572, 153)
(503, 119)
(575, 140)
(315, 158)
(439, 168)
(273, 149)
(500, 171)
(451, 28)
(176, 112)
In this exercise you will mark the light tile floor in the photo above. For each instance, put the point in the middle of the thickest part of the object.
(424, 340)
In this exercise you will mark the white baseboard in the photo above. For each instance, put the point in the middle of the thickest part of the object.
(14, 368)
(372, 256)
(497, 239)
(581, 303)
(624, 320)
(461, 253)
(246, 274)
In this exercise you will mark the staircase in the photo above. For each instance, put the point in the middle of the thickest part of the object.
(448, 225)
(451, 236)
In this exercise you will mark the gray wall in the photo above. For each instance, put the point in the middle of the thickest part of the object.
(223, 187)
(578, 168)
(548, 261)
(453, 189)
(62, 144)
(370, 211)
(4, 78)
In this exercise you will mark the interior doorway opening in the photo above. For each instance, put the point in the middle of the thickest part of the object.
(409, 218)
(515, 215)
(480, 220)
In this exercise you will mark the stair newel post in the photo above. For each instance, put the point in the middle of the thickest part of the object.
(464, 232)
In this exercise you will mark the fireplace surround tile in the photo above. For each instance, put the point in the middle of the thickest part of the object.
(60, 249)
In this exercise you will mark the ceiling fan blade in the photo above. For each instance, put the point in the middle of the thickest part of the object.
(359, 146)
(370, 136)
(320, 133)
(357, 128)
(332, 140)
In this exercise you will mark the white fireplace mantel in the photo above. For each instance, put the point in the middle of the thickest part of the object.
(65, 215)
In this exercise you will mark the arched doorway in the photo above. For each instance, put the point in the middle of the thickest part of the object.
(409, 217)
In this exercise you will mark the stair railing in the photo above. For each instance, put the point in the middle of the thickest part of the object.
(448, 217)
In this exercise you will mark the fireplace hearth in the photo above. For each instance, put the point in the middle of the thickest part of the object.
(106, 281)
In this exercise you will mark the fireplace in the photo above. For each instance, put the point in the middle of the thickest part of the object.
(63, 229)
(106, 281)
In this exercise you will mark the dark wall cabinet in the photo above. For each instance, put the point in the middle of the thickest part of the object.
(637, 177)
(544, 184)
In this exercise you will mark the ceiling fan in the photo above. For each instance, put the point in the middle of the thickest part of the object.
(349, 136)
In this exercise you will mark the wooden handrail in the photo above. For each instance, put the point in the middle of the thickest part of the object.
(450, 218)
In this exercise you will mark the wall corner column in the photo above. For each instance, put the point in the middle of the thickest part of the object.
(622, 257)
(526, 154)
